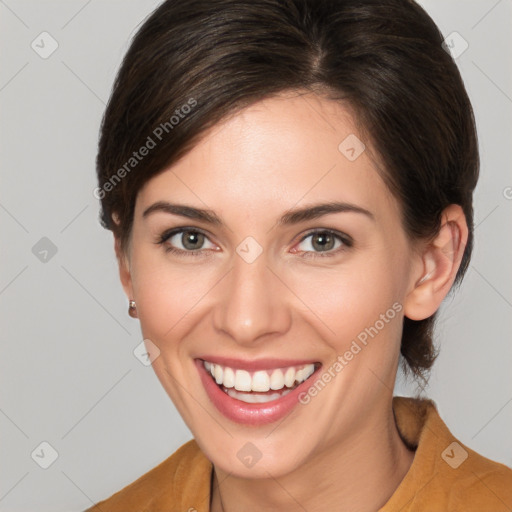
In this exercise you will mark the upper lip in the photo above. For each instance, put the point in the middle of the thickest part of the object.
(256, 364)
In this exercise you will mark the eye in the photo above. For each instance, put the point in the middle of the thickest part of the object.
(186, 241)
(323, 243)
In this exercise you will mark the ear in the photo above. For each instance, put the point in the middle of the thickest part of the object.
(440, 261)
(124, 269)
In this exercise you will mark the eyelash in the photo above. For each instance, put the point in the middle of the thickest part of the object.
(346, 241)
(162, 239)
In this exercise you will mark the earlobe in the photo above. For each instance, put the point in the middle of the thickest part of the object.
(440, 261)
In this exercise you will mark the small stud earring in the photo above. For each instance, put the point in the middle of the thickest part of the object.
(132, 309)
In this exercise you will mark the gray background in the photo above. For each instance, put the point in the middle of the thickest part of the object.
(68, 373)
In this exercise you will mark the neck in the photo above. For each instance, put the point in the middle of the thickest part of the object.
(356, 474)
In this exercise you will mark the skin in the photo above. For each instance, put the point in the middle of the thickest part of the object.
(277, 155)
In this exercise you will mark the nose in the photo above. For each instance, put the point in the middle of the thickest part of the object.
(253, 303)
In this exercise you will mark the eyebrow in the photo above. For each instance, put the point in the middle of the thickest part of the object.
(184, 211)
(290, 217)
(294, 216)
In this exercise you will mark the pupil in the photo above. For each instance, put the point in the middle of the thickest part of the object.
(323, 242)
(192, 239)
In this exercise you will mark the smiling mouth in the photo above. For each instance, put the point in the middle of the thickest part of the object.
(259, 386)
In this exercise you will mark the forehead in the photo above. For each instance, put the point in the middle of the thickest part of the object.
(273, 155)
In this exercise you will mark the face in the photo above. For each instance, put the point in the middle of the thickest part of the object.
(269, 285)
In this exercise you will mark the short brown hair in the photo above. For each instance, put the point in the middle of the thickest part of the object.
(384, 57)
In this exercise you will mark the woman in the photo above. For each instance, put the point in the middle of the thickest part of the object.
(289, 184)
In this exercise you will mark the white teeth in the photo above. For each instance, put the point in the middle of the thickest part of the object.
(256, 398)
(308, 371)
(218, 374)
(242, 380)
(289, 377)
(277, 379)
(260, 381)
(229, 378)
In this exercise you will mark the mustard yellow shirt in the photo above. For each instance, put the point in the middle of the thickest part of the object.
(445, 475)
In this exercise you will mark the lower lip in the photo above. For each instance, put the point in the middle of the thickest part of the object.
(245, 413)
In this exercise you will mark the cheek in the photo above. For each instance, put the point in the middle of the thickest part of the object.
(351, 299)
(167, 294)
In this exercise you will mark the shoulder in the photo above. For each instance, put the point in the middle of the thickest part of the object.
(181, 480)
(445, 473)
(474, 482)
